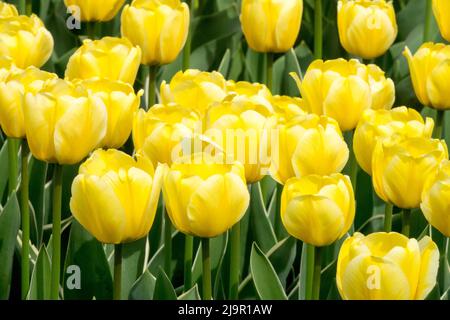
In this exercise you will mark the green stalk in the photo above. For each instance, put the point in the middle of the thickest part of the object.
(235, 261)
(439, 124)
(207, 292)
(188, 251)
(317, 273)
(388, 217)
(25, 214)
(168, 246)
(187, 46)
(56, 235)
(28, 7)
(428, 20)
(151, 89)
(406, 222)
(318, 32)
(277, 223)
(12, 165)
(269, 75)
(309, 271)
(117, 295)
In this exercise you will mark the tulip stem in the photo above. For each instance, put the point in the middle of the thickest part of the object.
(117, 295)
(309, 271)
(25, 214)
(406, 222)
(29, 7)
(207, 292)
(235, 261)
(12, 163)
(188, 251)
(269, 75)
(428, 20)
(56, 235)
(277, 224)
(168, 246)
(388, 217)
(318, 41)
(317, 272)
(438, 129)
(151, 89)
(187, 46)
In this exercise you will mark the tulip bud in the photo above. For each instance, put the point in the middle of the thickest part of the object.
(194, 89)
(318, 210)
(400, 168)
(12, 96)
(430, 74)
(243, 91)
(7, 10)
(115, 196)
(159, 27)
(271, 25)
(386, 266)
(63, 124)
(104, 10)
(203, 197)
(436, 200)
(366, 28)
(441, 9)
(109, 58)
(381, 124)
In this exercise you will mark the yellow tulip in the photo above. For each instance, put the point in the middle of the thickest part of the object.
(304, 145)
(366, 28)
(6, 68)
(436, 200)
(249, 92)
(7, 10)
(25, 40)
(121, 103)
(430, 74)
(288, 107)
(203, 197)
(271, 25)
(109, 58)
(12, 95)
(159, 27)
(386, 266)
(194, 89)
(161, 130)
(237, 127)
(441, 9)
(104, 10)
(400, 168)
(381, 124)
(318, 209)
(382, 88)
(115, 196)
(63, 124)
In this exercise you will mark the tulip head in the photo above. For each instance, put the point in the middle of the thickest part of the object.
(194, 89)
(318, 210)
(401, 166)
(8, 10)
(109, 58)
(115, 196)
(204, 197)
(386, 266)
(271, 25)
(366, 28)
(104, 10)
(441, 9)
(159, 27)
(382, 124)
(63, 123)
(243, 91)
(382, 88)
(288, 107)
(12, 96)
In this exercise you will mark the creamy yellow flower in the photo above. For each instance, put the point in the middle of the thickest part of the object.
(256, 93)
(109, 58)
(366, 28)
(89, 10)
(441, 9)
(159, 27)
(318, 210)
(271, 25)
(381, 124)
(386, 266)
(64, 124)
(7, 10)
(7, 67)
(288, 107)
(382, 88)
(400, 168)
(203, 197)
(25, 40)
(115, 196)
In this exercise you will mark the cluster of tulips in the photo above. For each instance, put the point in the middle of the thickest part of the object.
(209, 140)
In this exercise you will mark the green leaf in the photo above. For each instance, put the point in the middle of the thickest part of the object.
(163, 288)
(225, 64)
(9, 227)
(38, 175)
(3, 168)
(282, 257)
(303, 272)
(40, 285)
(132, 264)
(144, 287)
(266, 281)
(191, 294)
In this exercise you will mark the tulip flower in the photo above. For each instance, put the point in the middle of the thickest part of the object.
(159, 27)
(121, 103)
(25, 40)
(12, 96)
(400, 168)
(7, 10)
(109, 58)
(63, 124)
(381, 124)
(366, 28)
(441, 9)
(271, 25)
(386, 266)
(194, 89)
(104, 10)
(436, 199)
(251, 92)
(382, 88)
(288, 107)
